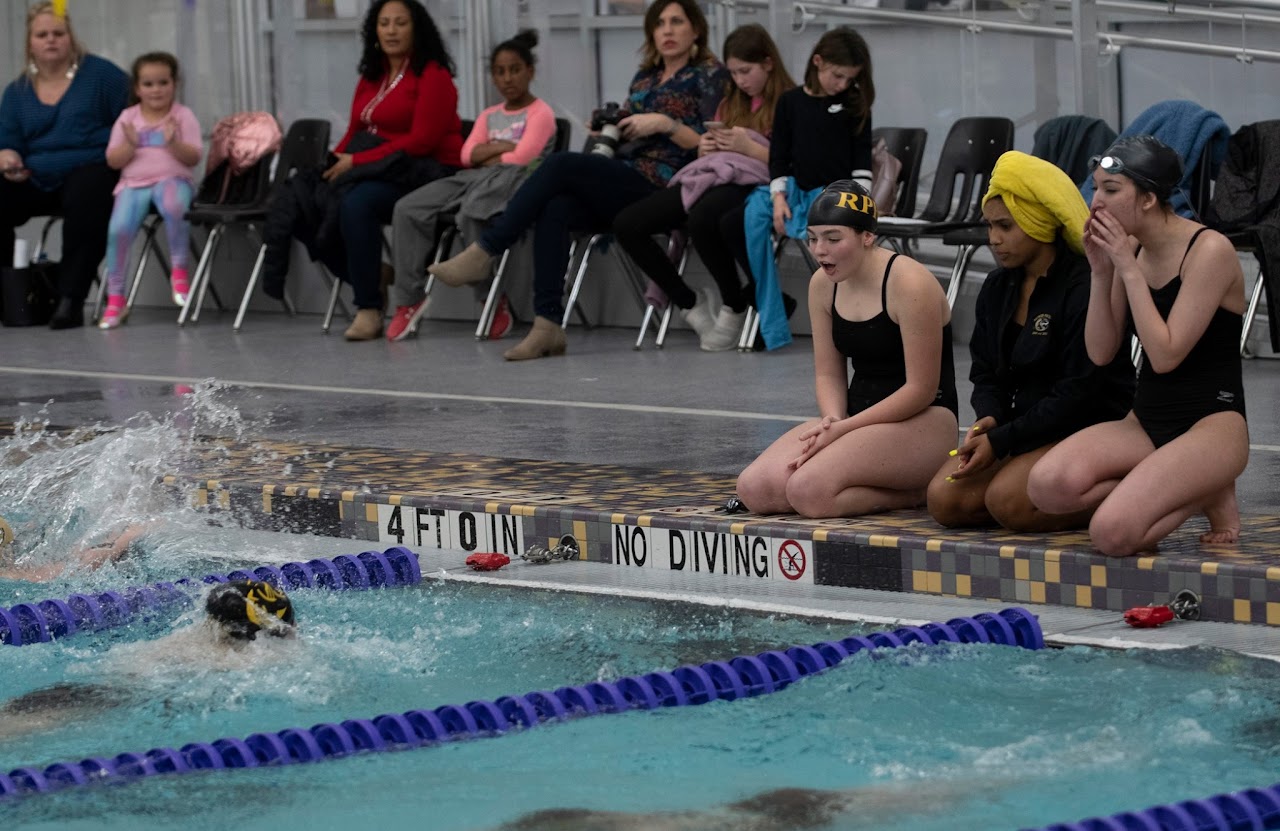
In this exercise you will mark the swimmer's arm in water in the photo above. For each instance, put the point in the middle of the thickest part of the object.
(90, 558)
(57, 706)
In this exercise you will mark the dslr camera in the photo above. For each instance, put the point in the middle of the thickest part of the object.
(605, 122)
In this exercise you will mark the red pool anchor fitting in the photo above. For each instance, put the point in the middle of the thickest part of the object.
(490, 561)
(1185, 606)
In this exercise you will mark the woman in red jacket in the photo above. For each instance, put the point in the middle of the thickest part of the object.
(404, 132)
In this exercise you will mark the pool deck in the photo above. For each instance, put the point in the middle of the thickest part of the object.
(437, 444)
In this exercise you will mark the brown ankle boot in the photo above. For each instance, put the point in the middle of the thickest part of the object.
(471, 266)
(544, 339)
(366, 326)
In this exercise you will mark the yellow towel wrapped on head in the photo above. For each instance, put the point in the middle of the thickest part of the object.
(1040, 198)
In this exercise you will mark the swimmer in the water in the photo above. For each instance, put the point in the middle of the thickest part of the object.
(781, 809)
(240, 609)
(89, 558)
(236, 612)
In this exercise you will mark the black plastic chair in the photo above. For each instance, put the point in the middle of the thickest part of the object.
(906, 144)
(224, 201)
(1069, 141)
(953, 213)
(305, 145)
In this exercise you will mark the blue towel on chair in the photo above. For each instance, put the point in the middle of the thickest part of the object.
(1186, 127)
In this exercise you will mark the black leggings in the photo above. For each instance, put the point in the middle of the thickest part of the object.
(84, 202)
(714, 223)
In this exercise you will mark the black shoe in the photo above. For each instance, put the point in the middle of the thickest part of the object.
(68, 315)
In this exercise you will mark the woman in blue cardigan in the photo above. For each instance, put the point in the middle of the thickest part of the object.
(54, 124)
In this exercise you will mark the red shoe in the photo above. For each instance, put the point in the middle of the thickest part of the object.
(181, 286)
(404, 322)
(501, 319)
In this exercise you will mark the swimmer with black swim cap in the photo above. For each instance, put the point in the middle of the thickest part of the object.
(845, 202)
(1180, 287)
(883, 374)
(240, 609)
(1154, 166)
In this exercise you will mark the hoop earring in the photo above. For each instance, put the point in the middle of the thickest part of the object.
(693, 53)
(71, 72)
(32, 69)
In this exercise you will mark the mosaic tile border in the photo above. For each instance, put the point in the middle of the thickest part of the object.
(1007, 568)
(669, 519)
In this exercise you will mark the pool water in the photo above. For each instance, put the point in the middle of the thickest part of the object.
(952, 737)
(919, 739)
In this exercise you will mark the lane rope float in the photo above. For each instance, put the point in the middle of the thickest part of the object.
(46, 620)
(745, 676)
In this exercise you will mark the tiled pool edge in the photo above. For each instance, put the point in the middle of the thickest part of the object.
(753, 550)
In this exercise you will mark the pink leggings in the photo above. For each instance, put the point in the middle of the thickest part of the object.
(172, 198)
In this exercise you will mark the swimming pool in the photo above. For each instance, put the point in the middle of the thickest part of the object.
(919, 738)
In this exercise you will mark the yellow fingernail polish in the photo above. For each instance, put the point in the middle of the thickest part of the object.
(951, 453)
(949, 479)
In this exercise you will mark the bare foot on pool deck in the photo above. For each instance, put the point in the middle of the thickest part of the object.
(1223, 513)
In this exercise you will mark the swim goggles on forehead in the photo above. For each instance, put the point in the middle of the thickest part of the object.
(1115, 164)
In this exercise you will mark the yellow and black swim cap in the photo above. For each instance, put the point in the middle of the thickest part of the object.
(245, 607)
(6, 532)
(844, 202)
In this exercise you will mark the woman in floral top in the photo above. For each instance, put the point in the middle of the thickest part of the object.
(677, 88)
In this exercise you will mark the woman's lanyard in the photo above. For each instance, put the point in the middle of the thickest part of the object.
(366, 115)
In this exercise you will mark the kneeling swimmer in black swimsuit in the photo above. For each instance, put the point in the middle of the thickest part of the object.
(1180, 288)
(881, 434)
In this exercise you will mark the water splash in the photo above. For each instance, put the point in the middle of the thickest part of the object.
(66, 490)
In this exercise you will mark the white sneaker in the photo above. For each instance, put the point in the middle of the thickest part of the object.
(699, 318)
(724, 335)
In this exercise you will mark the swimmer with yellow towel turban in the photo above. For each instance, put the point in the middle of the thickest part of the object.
(1033, 382)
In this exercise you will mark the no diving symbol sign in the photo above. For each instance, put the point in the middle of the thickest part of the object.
(791, 560)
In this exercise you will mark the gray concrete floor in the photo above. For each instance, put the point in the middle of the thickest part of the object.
(604, 402)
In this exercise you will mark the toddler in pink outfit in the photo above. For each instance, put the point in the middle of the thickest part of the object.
(155, 145)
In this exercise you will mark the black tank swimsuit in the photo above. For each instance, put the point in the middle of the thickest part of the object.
(874, 350)
(1209, 379)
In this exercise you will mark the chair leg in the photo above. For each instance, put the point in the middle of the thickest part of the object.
(200, 280)
(491, 302)
(577, 280)
(645, 321)
(1251, 313)
(44, 237)
(750, 329)
(99, 297)
(958, 271)
(248, 290)
(334, 290)
(662, 328)
(149, 246)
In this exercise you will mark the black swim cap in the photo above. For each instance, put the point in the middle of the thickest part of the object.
(245, 607)
(844, 202)
(1148, 161)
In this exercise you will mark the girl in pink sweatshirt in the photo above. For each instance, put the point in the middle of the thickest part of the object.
(155, 144)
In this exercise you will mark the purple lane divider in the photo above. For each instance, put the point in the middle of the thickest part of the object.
(28, 623)
(741, 677)
(1254, 809)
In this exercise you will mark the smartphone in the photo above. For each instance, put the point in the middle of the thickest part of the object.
(713, 125)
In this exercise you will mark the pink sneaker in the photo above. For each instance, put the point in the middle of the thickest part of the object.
(404, 322)
(115, 313)
(181, 286)
(501, 319)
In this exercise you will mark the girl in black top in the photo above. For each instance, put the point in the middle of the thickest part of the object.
(1181, 289)
(878, 438)
(1033, 382)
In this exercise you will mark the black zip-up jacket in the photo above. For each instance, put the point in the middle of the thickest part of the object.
(1047, 388)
